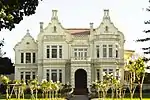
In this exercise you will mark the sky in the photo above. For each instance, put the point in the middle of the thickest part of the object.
(127, 15)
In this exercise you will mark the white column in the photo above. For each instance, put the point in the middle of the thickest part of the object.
(31, 57)
(88, 70)
(50, 54)
(95, 74)
(114, 71)
(63, 76)
(101, 51)
(72, 77)
(57, 51)
(101, 74)
(24, 58)
(107, 48)
(31, 75)
(44, 73)
(17, 73)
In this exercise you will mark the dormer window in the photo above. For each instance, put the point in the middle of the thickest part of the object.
(54, 29)
(106, 28)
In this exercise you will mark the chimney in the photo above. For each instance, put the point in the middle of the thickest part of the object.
(106, 13)
(54, 14)
(41, 26)
(91, 27)
(28, 33)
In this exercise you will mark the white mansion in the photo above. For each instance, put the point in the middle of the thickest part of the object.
(77, 56)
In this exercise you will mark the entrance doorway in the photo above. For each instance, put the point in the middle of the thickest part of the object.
(80, 79)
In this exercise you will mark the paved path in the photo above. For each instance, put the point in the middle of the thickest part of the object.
(79, 97)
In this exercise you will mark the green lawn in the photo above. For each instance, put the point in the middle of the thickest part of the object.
(92, 99)
(37, 99)
(122, 99)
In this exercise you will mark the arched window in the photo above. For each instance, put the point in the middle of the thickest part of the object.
(55, 29)
(106, 28)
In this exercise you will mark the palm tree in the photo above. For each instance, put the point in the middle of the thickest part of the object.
(44, 87)
(33, 85)
(5, 80)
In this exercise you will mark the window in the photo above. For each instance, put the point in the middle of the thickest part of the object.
(28, 57)
(80, 53)
(60, 51)
(98, 74)
(110, 71)
(110, 50)
(75, 55)
(106, 28)
(22, 57)
(33, 75)
(47, 75)
(33, 58)
(85, 55)
(104, 50)
(97, 51)
(105, 71)
(54, 75)
(116, 51)
(54, 51)
(47, 52)
(27, 76)
(55, 29)
(117, 74)
(21, 75)
(60, 75)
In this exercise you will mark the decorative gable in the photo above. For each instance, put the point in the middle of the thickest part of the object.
(27, 43)
(106, 25)
(54, 29)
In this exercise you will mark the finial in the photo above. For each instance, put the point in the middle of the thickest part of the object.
(54, 14)
(41, 26)
(91, 25)
(27, 30)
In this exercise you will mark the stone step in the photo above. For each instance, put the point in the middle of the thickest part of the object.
(79, 97)
(78, 91)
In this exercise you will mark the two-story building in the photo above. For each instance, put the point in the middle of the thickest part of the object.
(77, 56)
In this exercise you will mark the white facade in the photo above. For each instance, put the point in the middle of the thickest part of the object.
(59, 52)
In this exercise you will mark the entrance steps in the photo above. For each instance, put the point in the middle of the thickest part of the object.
(80, 91)
(79, 97)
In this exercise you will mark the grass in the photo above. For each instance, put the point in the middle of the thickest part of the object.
(92, 99)
(121, 99)
(37, 99)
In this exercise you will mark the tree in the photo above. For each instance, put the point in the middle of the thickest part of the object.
(146, 49)
(5, 80)
(136, 69)
(13, 11)
(6, 65)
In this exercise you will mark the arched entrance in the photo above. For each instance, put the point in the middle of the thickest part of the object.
(80, 79)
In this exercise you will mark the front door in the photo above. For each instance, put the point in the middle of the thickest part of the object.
(80, 79)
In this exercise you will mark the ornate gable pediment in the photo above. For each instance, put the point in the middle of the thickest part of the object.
(106, 26)
(54, 38)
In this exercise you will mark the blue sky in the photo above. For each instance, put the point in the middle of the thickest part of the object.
(127, 16)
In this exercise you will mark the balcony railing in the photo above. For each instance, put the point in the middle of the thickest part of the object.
(80, 58)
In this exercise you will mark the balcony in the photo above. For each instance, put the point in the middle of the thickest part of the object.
(113, 60)
(53, 61)
(80, 59)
